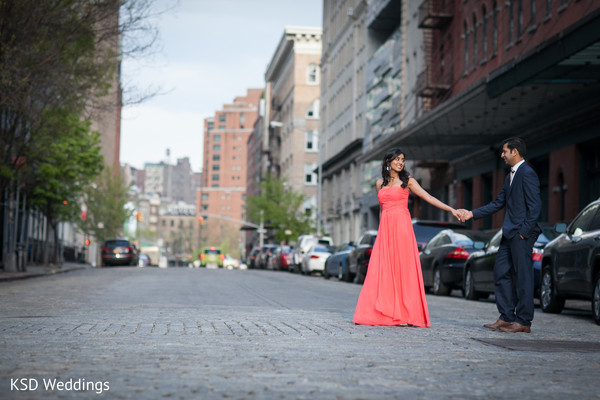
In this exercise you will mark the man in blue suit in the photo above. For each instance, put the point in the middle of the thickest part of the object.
(513, 271)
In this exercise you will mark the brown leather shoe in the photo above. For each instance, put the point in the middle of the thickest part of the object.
(498, 324)
(516, 327)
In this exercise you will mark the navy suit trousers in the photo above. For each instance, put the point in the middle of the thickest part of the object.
(513, 279)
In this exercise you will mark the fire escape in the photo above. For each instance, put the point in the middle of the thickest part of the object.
(436, 77)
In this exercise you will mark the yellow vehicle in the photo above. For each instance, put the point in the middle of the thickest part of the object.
(211, 257)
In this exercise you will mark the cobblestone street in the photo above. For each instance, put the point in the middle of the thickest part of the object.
(212, 334)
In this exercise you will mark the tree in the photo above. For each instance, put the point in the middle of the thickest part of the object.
(62, 171)
(281, 209)
(59, 56)
(105, 201)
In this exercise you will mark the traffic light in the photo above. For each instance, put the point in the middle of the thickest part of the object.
(200, 220)
(139, 216)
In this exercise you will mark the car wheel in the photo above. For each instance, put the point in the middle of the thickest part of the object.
(439, 288)
(596, 299)
(469, 286)
(550, 301)
(326, 273)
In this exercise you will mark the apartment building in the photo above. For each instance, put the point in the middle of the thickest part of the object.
(292, 120)
(222, 195)
(343, 117)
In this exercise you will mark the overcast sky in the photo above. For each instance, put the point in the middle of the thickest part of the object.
(209, 52)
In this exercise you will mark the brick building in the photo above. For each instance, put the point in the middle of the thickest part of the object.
(496, 69)
(223, 188)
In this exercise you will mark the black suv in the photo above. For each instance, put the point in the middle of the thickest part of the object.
(119, 252)
(571, 263)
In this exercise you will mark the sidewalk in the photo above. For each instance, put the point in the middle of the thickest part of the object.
(38, 270)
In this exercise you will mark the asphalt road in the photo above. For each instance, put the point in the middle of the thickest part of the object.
(179, 333)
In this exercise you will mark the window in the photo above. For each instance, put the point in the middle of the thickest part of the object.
(484, 35)
(204, 196)
(310, 177)
(216, 138)
(216, 167)
(533, 13)
(313, 74)
(172, 222)
(495, 22)
(216, 147)
(216, 157)
(466, 48)
(474, 41)
(242, 118)
(313, 110)
(312, 140)
(583, 221)
(511, 21)
(548, 8)
(205, 206)
(222, 118)
(221, 126)
(215, 177)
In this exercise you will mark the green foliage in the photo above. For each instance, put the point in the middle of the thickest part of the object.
(65, 160)
(281, 209)
(105, 201)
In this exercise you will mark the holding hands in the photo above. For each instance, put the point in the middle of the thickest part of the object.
(462, 215)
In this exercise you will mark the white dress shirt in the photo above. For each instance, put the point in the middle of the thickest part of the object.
(513, 170)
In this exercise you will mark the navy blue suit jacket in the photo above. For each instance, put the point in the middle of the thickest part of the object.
(522, 201)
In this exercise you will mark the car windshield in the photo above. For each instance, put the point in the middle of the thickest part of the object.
(212, 251)
(117, 243)
(423, 233)
(461, 239)
(321, 249)
(548, 234)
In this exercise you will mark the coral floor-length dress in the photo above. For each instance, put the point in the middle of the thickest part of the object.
(393, 291)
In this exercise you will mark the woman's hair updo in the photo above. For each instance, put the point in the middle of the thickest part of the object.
(385, 168)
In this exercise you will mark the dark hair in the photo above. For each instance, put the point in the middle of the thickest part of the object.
(516, 143)
(385, 173)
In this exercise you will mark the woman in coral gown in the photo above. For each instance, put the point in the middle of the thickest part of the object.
(393, 291)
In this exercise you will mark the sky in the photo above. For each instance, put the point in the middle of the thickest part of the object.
(208, 53)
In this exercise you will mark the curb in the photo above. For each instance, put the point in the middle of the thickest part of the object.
(36, 272)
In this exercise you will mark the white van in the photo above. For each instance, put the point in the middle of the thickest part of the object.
(303, 245)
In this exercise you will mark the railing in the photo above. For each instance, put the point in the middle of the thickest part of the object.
(430, 84)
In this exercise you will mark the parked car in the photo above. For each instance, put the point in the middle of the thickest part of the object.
(443, 258)
(281, 258)
(358, 259)
(571, 263)
(425, 230)
(143, 260)
(478, 274)
(315, 257)
(230, 262)
(119, 252)
(337, 264)
(211, 257)
(252, 259)
(303, 243)
(265, 254)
